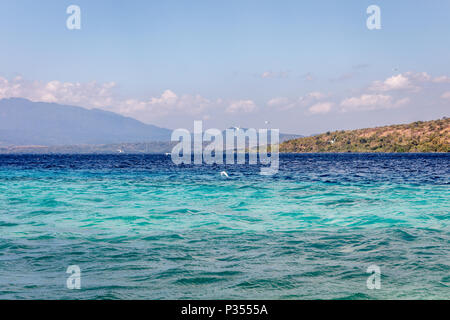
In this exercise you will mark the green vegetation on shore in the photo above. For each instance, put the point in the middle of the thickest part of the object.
(420, 136)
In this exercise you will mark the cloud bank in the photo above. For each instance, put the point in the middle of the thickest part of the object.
(403, 90)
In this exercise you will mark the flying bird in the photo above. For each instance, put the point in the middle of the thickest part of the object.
(224, 174)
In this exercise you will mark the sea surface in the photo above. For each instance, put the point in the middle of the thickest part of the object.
(140, 227)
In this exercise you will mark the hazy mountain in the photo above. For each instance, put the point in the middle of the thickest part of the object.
(283, 136)
(23, 122)
(117, 148)
(27, 126)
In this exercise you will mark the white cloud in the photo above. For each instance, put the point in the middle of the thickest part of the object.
(104, 96)
(274, 75)
(321, 108)
(167, 98)
(372, 102)
(419, 76)
(398, 82)
(277, 102)
(442, 79)
(241, 106)
(91, 94)
(412, 81)
(168, 103)
(446, 95)
(408, 81)
(315, 95)
(284, 103)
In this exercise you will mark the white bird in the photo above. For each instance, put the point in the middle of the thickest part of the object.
(119, 151)
(224, 174)
(266, 122)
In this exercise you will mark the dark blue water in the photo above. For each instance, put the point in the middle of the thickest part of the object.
(139, 226)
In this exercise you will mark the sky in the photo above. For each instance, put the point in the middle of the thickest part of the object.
(304, 66)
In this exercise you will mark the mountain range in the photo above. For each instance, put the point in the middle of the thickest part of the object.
(40, 127)
(23, 122)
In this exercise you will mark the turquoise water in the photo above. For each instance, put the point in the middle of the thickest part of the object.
(140, 227)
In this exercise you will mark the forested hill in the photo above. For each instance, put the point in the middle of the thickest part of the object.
(420, 136)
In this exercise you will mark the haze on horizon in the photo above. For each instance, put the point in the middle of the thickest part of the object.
(305, 67)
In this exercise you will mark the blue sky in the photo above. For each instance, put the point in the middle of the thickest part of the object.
(306, 66)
